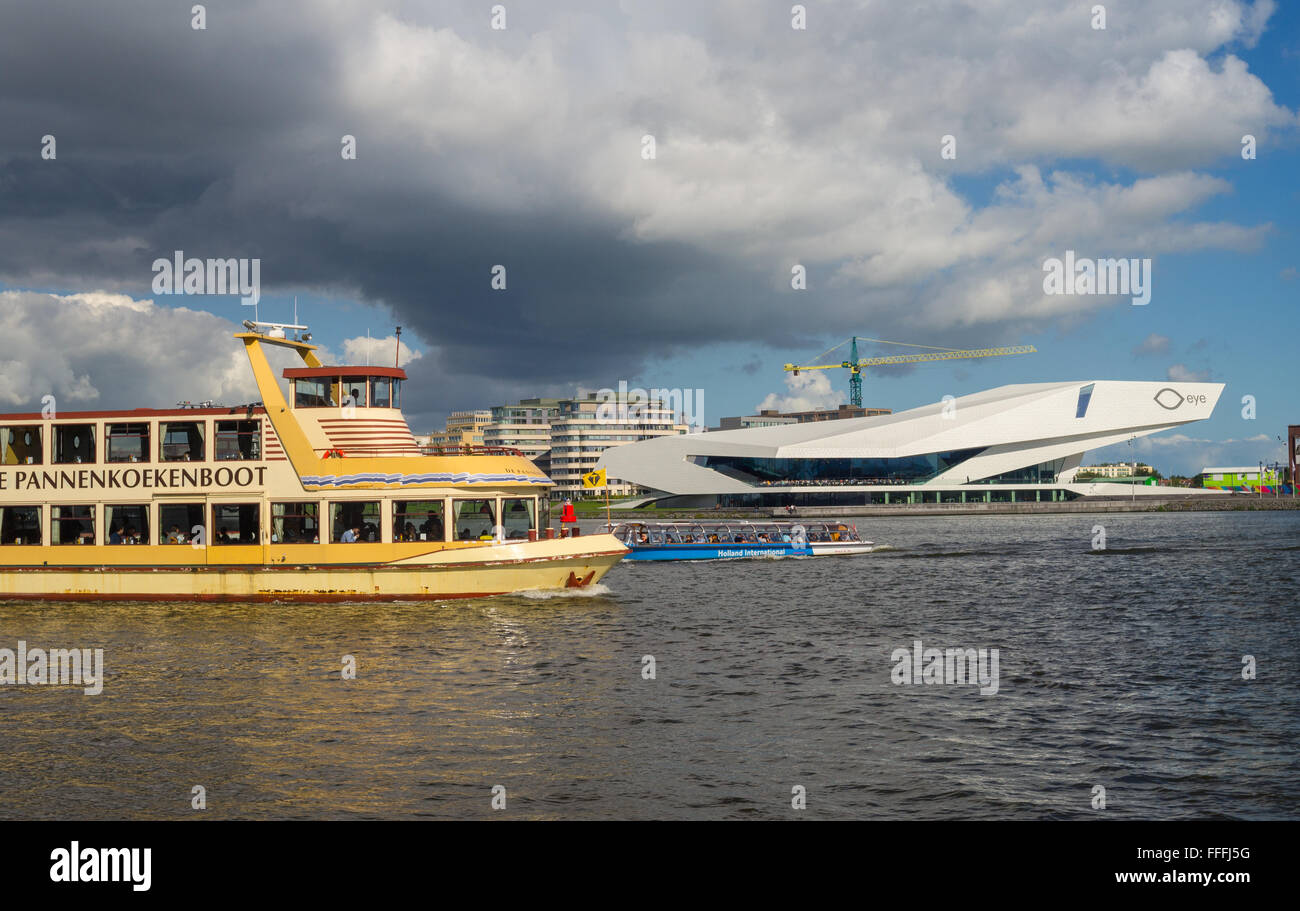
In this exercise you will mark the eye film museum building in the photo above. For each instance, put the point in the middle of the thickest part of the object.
(1014, 443)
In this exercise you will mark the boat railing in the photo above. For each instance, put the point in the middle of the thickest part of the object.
(470, 450)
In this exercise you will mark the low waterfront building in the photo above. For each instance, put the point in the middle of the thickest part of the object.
(771, 418)
(762, 419)
(1121, 470)
(1245, 478)
(1010, 444)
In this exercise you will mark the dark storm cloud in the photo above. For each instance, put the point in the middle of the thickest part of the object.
(160, 130)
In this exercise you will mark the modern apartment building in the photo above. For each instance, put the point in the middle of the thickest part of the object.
(464, 428)
(586, 427)
(525, 426)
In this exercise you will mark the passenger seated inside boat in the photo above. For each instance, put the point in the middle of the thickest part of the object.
(132, 536)
(115, 535)
(351, 535)
(174, 535)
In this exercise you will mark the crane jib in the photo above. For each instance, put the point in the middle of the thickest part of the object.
(855, 364)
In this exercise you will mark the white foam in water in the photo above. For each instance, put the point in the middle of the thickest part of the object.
(591, 591)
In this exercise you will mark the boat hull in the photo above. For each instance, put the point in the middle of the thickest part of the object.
(460, 573)
(823, 549)
(718, 551)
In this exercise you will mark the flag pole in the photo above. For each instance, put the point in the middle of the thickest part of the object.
(609, 521)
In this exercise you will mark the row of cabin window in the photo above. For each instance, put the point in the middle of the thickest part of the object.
(295, 522)
(178, 441)
(384, 392)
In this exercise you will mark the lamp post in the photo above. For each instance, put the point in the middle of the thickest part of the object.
(1132, 480)
(1289, 461)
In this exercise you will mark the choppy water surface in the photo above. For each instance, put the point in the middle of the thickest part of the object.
(1119, 668)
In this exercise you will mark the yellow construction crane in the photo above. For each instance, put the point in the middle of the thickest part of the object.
(855, 364)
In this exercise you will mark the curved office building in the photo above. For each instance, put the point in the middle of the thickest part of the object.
(1012, 443)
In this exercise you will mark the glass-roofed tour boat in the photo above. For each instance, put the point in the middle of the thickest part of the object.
(738, 540)
(324, 496)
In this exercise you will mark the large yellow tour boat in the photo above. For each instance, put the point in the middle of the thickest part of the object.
(321, 497)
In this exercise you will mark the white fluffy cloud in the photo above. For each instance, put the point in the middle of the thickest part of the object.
(100, 350)
(1184, 374)
(1155, 343)
(808, 391)
(379, 351)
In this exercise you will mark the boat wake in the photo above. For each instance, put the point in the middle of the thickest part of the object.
(594, 590)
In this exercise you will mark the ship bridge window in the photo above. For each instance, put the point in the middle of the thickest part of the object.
(239, 440)
(358, 517)
(474, 519)
(72, 524)
(418, 520)
(182, 441)
(310, 394)
(354, 391)
(181, 523)
(518, 516)
(236, 523)
(127, 443)
(22, 445)
(295, 523)
(20, 525)
(74, 443)
(127, 524)
(381, 392)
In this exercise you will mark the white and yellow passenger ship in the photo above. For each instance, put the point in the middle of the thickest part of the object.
(323, 497)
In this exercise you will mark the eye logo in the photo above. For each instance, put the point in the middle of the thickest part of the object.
(1169, 398)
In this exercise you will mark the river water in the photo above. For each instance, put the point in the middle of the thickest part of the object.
(1118, 669)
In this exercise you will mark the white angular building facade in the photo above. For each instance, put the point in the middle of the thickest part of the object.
(1012, 443)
